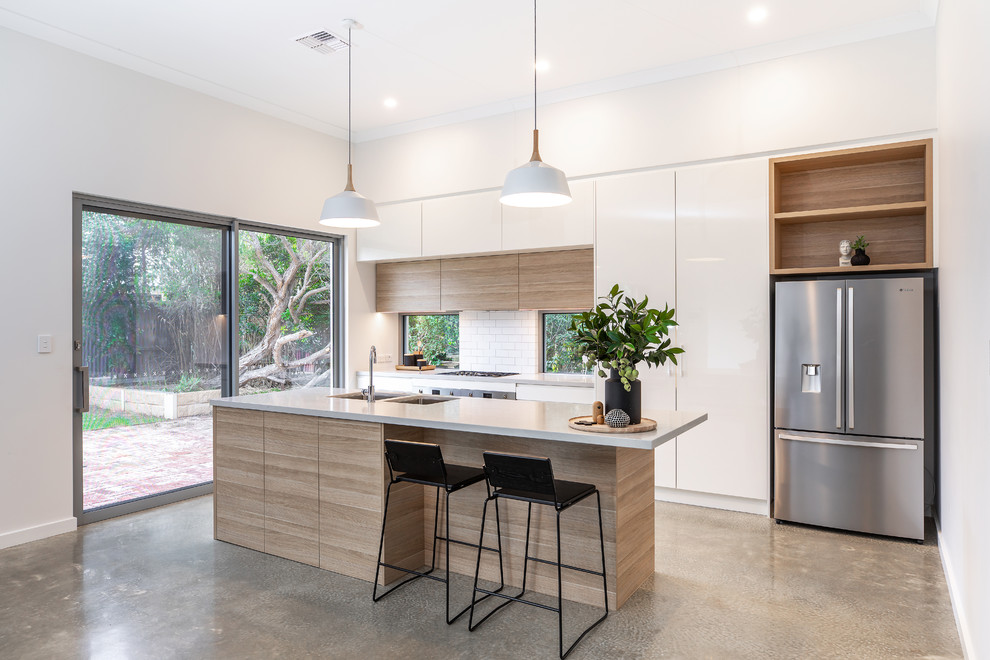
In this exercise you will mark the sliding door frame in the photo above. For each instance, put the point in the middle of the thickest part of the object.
(229, 277)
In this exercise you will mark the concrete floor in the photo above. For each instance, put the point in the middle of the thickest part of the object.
(728, 585)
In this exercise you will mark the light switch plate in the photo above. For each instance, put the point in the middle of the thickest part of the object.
(44, 343)
(385, 357)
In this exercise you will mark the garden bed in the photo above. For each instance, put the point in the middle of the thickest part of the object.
(164, 405)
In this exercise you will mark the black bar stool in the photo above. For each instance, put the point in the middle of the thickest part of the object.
(422, 463)
(530, 479)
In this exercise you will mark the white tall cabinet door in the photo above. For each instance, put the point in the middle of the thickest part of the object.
(463, 224)
(634, 248)
(724, 316)
(400, 236)
(570, 225)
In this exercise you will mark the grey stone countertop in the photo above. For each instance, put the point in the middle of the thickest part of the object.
(560, 380)
(522, 419)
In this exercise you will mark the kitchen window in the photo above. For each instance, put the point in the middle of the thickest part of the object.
(559, 354)
(437, 335)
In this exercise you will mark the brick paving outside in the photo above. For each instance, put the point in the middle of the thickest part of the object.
(128, 462)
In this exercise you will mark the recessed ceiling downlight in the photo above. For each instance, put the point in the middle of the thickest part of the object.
(757, 14)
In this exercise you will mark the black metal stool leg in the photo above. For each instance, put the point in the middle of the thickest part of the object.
(501, 563)
(436, 521)
(446, 522)
(375, 596)
(381, 545)
(529, 518)
(601, 536)
(560, 593)
(477, 568)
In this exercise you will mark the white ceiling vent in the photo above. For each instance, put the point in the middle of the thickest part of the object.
(322, 42)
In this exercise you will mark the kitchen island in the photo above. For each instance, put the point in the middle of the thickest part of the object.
(301, 475)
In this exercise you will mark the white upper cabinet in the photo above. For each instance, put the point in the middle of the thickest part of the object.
(724, 315)
(463, 224)
(634, 248)
(570, 225)
(400, 236)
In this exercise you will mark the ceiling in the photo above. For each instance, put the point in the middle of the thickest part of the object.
(441, 60)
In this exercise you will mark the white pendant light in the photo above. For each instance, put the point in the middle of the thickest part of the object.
(349, 209)
(535, 184)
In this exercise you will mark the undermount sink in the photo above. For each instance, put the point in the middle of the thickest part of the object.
(421, 399)
(378, 395)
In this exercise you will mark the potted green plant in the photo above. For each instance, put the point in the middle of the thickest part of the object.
(618, 334)
(860, 258)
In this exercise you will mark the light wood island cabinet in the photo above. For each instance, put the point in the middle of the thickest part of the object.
(292, 498)
(321, 480)
(239, 477)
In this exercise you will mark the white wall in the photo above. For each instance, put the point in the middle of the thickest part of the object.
(964, 281)
(72, 123)
(872, 89)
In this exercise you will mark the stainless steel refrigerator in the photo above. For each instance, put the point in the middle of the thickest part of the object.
(852, 402)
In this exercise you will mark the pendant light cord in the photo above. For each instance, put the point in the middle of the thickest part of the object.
(350, 47)
(534, 65)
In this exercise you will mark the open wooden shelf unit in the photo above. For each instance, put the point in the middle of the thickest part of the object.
(881, 192)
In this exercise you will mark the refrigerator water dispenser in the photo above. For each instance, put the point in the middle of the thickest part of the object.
(811, 378)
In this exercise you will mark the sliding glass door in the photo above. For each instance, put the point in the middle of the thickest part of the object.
(285, 295)
(173, 309)
(153, 343)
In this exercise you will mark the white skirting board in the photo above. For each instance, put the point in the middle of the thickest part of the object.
(37, 533)
(962, 625)
(712, 501)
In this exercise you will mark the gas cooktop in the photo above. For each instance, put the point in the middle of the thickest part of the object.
(480, 374)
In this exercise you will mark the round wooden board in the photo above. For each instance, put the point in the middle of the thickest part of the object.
(643, 426)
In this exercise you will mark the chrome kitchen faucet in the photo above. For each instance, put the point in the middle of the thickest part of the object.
(372, 359)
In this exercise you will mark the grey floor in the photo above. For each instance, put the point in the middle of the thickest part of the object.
(728, 585)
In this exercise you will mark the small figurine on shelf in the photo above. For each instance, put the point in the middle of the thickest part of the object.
(845, 253)
(860, 258)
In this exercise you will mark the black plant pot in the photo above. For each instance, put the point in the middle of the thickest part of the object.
(860, 258)
(616, 396)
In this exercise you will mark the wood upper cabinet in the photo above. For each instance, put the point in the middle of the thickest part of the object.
(462, 224)
(480, 283)
(570, 225)
(557, 280)
(408, 286)
(400, 236)
(882, 192)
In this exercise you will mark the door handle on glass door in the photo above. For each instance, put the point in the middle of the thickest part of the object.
(83, 401)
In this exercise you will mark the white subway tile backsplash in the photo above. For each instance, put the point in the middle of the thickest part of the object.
(500, 341)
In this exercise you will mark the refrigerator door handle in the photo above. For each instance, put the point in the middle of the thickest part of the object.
(848, 443)
(838, 358)
(851, 385)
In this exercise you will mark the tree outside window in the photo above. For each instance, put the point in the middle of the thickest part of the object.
(559, 353)
(437, 335)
